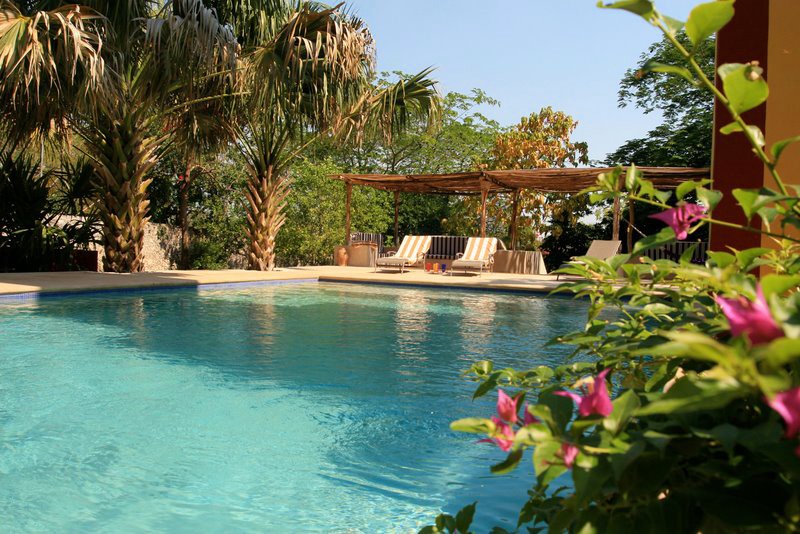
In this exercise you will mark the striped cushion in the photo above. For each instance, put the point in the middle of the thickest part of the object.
(479, 249)
(413, 246)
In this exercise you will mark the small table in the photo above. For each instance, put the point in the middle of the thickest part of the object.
(519, 262)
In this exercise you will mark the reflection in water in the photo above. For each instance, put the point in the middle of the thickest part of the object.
(411, 326)
(476, 327)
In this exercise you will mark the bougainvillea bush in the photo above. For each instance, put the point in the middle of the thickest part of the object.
(680, 409)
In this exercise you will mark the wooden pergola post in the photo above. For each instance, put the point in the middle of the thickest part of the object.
(514, 208)
(348, 198)
(615, 225)
(631, 216)
(484, 195)
(396, 216)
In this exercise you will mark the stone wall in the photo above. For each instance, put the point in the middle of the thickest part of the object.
(161, 245)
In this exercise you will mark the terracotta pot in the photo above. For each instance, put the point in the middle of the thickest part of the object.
(340, 256)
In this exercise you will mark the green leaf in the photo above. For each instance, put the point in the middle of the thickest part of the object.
(688, 254)
(746, 257)
(655, 66)
(464, 518)
(445, 523)
(693, 345)
(589, 482)
(709, 197)
(474, 425)
(545, 454)
(685, 188)
(666, 235)
(743, 85)
(692, 395)
(783, 351)
(707, 19)
(747, 200)
(643, 8)
(559, 410)
(509, 464)
(618, 261)
(486, 386)
(623, 408)
(778, 148)
(754, 130)
(673, 25)
(721, 259)
(483, 367)
(778, 284)
(631, 177)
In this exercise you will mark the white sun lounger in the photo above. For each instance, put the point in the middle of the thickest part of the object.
(479, 254)
(412, 250)
(599, 249)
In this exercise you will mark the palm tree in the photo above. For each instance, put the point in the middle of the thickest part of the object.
(307, 71)
(115, 71)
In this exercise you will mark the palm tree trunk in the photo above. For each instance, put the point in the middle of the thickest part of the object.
(183, 215)
(266, 195)
(122, 156)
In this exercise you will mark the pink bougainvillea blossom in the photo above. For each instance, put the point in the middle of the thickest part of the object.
(681, 217)
(568, 453)
(529, 418)
(595, 399)
(506, 407)
(787, 404)
(503, 436)
(752, 318)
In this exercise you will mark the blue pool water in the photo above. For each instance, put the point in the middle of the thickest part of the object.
(291, 408)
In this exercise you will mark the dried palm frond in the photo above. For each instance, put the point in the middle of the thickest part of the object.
(48, 60)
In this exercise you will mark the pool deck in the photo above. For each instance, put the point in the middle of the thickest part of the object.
(67, 282)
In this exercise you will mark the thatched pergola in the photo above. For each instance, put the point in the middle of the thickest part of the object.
(550, 180)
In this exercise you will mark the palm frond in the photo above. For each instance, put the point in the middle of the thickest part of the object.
(47, 60)
(313, 68)
(388, 109)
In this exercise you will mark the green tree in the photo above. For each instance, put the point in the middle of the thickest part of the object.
(463, 140)
(684, 138)
(315, 214)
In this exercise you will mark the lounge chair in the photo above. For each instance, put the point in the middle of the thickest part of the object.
(599, 249)
(479, 254)
(412, 250)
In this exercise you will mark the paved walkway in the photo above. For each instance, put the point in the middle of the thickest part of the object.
(16, 283)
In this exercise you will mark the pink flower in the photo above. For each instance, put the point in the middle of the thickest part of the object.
(751, 318)
(529, 419)
(595, 399)
(680, 218)
(568, 453)
(504, 435)
(787, 404)
(506, 407)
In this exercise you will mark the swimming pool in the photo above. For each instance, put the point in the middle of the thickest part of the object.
(311, 407)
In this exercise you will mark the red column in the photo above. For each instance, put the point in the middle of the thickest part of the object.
(744, 39)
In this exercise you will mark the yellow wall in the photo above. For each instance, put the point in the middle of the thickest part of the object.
(783, 76)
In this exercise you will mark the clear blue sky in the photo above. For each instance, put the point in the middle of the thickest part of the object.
(526, 53)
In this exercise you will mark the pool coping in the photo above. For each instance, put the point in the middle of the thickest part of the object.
(36, 295)
(30, 286)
